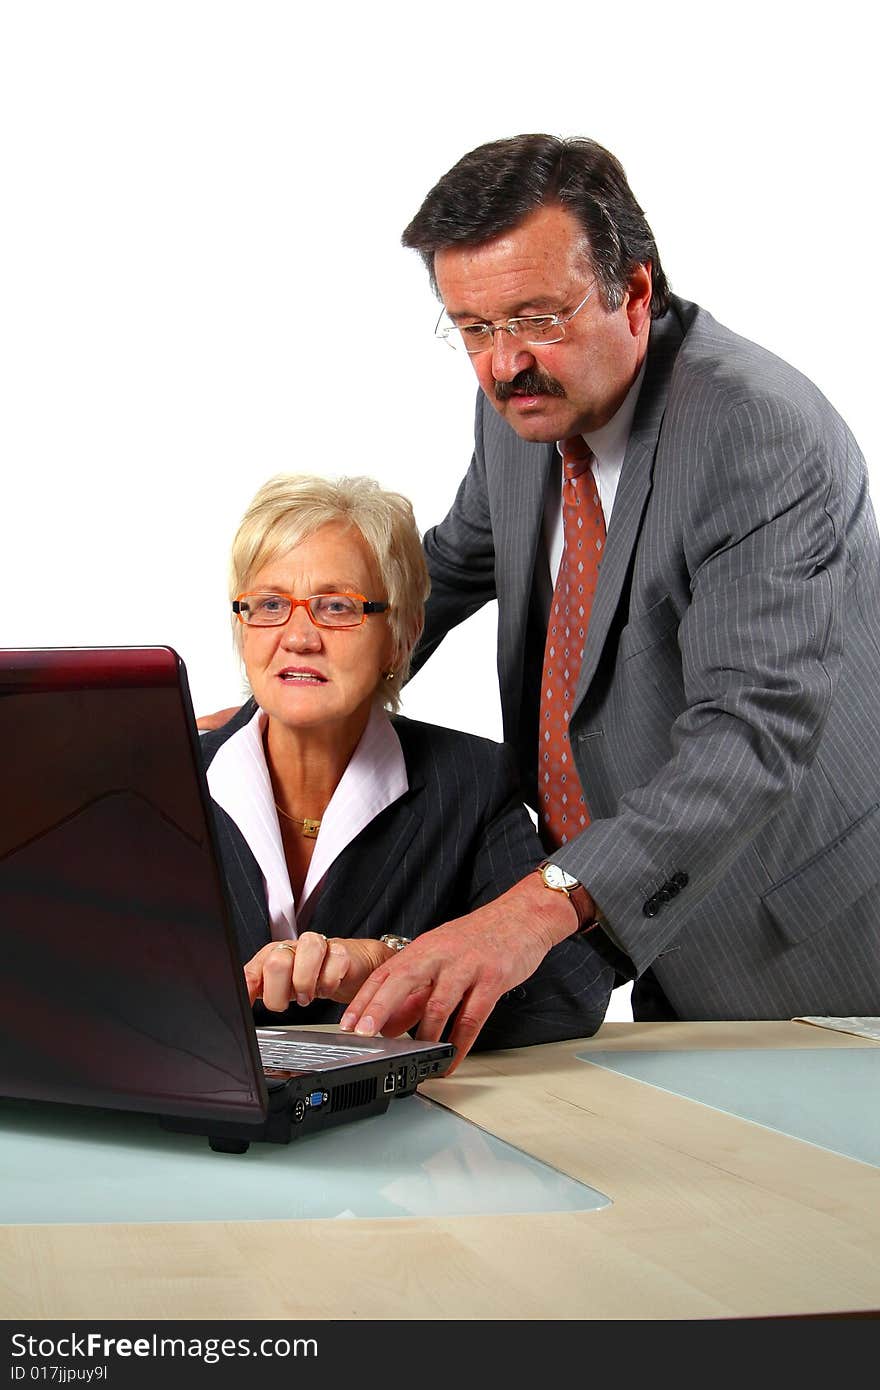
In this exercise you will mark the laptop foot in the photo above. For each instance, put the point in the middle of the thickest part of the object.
(229, 1146)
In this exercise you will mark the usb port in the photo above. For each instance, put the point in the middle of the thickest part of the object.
(423, 1070)
(401, 1078)
(389, 1083)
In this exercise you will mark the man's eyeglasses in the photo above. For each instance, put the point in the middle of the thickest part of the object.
(324, 610)
(533, 330)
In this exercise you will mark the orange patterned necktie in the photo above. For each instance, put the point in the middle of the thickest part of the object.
(563, 813)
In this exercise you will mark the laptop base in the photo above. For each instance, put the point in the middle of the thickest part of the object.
(298, 1105)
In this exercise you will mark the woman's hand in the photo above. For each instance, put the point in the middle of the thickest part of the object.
(312, 967)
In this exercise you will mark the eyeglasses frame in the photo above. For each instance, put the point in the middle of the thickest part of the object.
(558, 320)
(369, 606)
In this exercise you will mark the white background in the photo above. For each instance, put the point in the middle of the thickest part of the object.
(202, 281)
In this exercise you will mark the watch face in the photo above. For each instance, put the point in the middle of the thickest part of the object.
(555, 877)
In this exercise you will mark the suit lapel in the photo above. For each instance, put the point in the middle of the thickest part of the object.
(244, 881)
(632, 493)
(518, 509)
(360, 873)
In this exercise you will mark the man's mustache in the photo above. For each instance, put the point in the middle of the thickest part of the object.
(531, 382)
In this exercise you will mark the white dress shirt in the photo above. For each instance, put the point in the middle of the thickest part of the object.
(609, 447)
(239, 781)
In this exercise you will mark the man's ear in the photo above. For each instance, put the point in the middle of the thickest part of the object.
(638, 298)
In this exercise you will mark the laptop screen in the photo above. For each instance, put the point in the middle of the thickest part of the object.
(121, 984)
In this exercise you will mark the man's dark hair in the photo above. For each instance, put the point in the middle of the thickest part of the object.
(492, 189)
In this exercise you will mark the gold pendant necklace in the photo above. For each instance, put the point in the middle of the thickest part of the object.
(309, 827)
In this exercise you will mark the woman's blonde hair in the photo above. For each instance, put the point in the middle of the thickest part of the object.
(293, 506)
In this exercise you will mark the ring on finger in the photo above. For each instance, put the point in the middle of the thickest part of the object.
(286, 946)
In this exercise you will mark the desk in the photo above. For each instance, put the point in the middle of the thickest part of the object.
(712, 1216)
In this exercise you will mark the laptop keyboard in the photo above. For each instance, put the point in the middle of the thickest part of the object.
(304, 1056)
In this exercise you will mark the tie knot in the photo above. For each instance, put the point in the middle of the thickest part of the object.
(576, 456)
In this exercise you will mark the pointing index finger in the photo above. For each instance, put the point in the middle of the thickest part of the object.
(385, 992)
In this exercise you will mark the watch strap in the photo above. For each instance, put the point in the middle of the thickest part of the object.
(585, 909)
(582, 902)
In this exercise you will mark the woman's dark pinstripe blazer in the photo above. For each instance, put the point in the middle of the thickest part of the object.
(454, 841)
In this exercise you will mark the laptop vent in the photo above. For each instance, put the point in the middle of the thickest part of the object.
(354, 1093)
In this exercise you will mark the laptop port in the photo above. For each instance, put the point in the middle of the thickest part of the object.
(389, 1083)
(423, 1070)
(317, 1098)
(401, 1078)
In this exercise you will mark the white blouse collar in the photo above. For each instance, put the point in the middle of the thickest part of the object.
(239, 781)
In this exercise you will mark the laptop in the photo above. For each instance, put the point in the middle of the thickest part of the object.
(121, 985)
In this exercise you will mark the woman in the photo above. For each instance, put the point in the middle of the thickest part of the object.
(345, 830)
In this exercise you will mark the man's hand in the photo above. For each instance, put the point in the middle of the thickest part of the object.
(208, 722)
(465, 965)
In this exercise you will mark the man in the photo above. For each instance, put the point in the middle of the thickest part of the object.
(721, 716)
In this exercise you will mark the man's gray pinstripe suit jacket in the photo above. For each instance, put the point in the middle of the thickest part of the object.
(727, 721)
(456, 839)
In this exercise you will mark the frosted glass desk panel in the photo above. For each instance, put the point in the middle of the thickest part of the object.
(66, 1164)
(826, 1096)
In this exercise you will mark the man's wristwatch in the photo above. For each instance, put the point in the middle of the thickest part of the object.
(396, 943)
(559, 881)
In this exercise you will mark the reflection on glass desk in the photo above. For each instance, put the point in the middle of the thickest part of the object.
(827, 1097)
(71, 1164)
